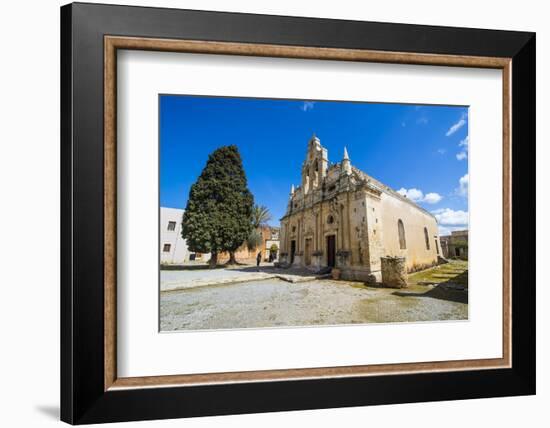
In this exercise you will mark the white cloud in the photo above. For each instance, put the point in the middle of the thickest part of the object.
(307, 105)
(449, 217)
(413, 194)
(455, 127)
(463, 184)
(432, 198)
(446, 230)
(441, 151)
(417, 195)
(464, 153)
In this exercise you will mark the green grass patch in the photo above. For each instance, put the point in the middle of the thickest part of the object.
(456, 271)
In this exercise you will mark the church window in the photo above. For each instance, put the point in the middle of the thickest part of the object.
(427, 238)
(330, 219)
(171, 225)
(401, 232)
(166, 248)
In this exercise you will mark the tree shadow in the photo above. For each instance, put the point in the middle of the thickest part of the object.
(453, 290)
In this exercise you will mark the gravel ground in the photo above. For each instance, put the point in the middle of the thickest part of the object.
(274, 303)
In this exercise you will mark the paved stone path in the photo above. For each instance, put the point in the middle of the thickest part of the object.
(171, 280)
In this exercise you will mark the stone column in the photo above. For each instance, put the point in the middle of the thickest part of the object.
(342, 230)
(299, 236)
(321, 229)
(348, 217)
(316, 240)
(394, 272)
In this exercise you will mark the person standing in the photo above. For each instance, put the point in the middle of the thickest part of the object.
(258, 259)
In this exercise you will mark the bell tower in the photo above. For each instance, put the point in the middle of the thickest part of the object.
(314, 168)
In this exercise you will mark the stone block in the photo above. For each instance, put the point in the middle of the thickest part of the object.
(394, 271)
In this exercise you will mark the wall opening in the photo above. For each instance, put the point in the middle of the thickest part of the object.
(427, 238)
(401, 232)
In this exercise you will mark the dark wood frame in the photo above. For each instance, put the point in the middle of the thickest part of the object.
(90, 390)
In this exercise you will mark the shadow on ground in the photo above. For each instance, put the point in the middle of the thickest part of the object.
(197, 266)
(267, 268)
(296, 271)
(454, 290)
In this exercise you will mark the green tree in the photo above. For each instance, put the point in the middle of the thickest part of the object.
(461, 243)
(260, 216)
(254, 240)
(219, 208)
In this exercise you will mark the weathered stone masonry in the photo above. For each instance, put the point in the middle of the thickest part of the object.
(341, 217)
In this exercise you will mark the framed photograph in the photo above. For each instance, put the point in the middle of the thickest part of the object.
(265, 213)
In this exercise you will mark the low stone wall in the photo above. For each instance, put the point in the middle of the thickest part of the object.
(356, 273)
(394, 272)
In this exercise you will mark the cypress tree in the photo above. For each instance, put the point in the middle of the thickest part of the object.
(219, 208)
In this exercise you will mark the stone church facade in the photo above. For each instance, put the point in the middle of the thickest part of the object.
(341, 217)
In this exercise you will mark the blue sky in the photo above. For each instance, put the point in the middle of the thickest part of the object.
(419, 150)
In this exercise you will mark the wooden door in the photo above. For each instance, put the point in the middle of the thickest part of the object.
(331, 250)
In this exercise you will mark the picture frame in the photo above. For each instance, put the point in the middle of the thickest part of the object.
(91, 391)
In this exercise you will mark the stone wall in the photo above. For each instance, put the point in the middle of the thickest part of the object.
(418, 254)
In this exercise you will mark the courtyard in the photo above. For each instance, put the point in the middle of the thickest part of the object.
(200, 299)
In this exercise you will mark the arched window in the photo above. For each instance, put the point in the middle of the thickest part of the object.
(427, 238)
(401, 231)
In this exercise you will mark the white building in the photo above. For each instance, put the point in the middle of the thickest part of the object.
(173, 248)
